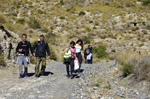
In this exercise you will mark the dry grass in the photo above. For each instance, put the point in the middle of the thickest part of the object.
(134, 63)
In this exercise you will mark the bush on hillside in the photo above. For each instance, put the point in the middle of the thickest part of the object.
(82, 13)
(20, 21)
(100, 51)
(2, 61)
(134, 63)
(2, 19)
(86, 39)
(127, 68)
(33, 23)
(146, 2)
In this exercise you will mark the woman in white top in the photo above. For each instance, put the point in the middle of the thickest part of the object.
(79, 48)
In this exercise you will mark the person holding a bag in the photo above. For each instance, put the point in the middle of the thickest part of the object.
(23, 56)
(90, 55)
(69, 57)
(79, 48)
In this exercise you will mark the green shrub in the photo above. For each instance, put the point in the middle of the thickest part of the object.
(2, 61)
(33, 23)
(96, 85)
(52, 54)
(62, 17)
(146, 2)
(45, 29)
(50, 38)
(127, 68)
(87, 29)
(20, 21)
(100, 51)
(40, 12)
(108, 86)
(91, 21)
(86, 39)
(2, 19)
(82, 13)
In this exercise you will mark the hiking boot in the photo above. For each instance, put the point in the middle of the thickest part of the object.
(37, 76)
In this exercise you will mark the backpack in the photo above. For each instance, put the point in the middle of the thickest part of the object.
(67, 56)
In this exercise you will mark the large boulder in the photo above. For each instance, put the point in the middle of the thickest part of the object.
(8, 45)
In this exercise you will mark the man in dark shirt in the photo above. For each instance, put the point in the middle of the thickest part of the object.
(23, 55)
(41, 48)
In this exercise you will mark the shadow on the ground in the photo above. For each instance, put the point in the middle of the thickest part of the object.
(45, 74)
(48, 73)
(76, 75)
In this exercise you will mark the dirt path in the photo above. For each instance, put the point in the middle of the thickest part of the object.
(53, 86)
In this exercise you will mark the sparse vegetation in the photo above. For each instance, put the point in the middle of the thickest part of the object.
(34, 23)
(96, 85)
(100, 51)
(2, 61)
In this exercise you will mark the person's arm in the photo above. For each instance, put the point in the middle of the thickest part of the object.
(31, 49)
(18, 49)
(48, 50)
(66, 50)
(95, 46)
(34, 47)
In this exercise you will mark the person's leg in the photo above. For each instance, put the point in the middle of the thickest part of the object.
(25, 67)
(80, 62)
(43, 65)
(91, 59)
(20, 60)
(72, 67)
(38, 61)
(67, 68)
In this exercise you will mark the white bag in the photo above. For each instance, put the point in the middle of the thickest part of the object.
(89, 56)
(76, 64)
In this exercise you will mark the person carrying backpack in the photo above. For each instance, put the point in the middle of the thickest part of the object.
(69, 57)
(41, 47)
(23, 56)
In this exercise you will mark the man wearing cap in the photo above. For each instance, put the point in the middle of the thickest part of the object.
(41, 47)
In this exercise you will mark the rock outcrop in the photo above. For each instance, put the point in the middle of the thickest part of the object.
(8, 46)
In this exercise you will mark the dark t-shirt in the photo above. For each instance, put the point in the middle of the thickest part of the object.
(90, 49)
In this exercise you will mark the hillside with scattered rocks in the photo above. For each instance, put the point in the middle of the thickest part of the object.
(120, 28)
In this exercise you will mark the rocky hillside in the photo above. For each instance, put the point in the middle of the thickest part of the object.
(121, 25)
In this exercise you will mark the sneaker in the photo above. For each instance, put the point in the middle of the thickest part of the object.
(68, 76)
(72, 77)
(21, 76)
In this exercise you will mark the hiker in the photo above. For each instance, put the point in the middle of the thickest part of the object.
(70, 62)
(86, 53)
(79, 48)
(90, 55)
(41, 47)
(23, 56)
